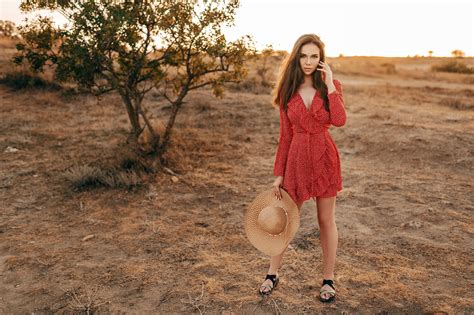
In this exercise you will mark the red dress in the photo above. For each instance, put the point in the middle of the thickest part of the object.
(307, 157)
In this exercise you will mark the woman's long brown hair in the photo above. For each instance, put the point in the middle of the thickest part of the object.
(291, 75)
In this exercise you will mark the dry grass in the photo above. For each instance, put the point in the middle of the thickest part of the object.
(85, 300)
(176, 244)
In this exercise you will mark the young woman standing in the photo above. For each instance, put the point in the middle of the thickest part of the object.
(307, 163)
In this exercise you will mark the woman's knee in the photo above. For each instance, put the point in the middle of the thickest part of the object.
(326, 221)
(326, 210)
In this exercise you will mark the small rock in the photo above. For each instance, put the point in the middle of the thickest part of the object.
(10, 149)
(412, 224)
(349, 151)
(174, 179)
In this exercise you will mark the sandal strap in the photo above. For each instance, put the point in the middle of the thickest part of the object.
(329, 282)
(267, 286)
(272, 278)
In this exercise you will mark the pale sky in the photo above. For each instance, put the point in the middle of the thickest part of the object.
(369, 28)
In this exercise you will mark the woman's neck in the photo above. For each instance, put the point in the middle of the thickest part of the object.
(308, 81)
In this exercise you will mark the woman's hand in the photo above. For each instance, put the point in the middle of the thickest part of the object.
(276, 187)
(327, 74)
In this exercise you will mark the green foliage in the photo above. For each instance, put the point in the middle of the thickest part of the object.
(202, 56)
(107, 46)
(113, 45)
(40, 44)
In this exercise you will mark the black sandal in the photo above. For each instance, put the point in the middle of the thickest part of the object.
(274, 279)
(331, 292)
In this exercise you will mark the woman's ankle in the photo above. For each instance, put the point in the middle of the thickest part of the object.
(328, 277)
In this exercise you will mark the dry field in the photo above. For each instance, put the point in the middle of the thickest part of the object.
(176, 243)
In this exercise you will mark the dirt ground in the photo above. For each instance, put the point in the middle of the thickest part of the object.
(177, 244)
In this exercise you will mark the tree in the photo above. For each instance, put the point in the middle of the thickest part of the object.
(458, 53)
(112, 46)
(264, 67)
(430, 53)
(201, 54)
(8, 29)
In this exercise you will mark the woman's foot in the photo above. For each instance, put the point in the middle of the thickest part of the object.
(269, 284)
(328, 291)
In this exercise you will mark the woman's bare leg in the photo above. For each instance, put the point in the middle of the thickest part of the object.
(328, 234)
(275, 261)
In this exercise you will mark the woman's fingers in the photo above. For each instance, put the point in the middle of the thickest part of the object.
(325, 69)
(324, 65)
(277, 192)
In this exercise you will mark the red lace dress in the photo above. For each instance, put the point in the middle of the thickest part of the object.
(307, 157)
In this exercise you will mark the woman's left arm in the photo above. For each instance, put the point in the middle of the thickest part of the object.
(337, 109)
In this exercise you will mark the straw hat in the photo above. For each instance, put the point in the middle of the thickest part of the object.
(270, 224)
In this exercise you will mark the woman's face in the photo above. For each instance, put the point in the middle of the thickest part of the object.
(309, 58)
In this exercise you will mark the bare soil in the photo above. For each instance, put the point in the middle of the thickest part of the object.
(178, 246)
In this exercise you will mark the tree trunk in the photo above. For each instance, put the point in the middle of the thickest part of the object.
(176, 106)
(133, 117)
(155, 138)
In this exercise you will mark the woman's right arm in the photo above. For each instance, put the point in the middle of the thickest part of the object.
(286, 134)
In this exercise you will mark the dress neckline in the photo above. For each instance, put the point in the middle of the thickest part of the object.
(303, 103)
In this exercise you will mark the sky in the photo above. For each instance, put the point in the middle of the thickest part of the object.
(364, 28)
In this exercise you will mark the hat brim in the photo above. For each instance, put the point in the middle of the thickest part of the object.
(271, 245)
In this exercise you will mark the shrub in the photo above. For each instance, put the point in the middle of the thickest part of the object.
(82, 177)
(8, 29)
(456, 103)
(389, 68)
(453, 66)
(22, 80)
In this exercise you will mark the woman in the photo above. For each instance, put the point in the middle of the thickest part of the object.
(307, 163)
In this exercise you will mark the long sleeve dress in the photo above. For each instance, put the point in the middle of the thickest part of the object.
(307, 157)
